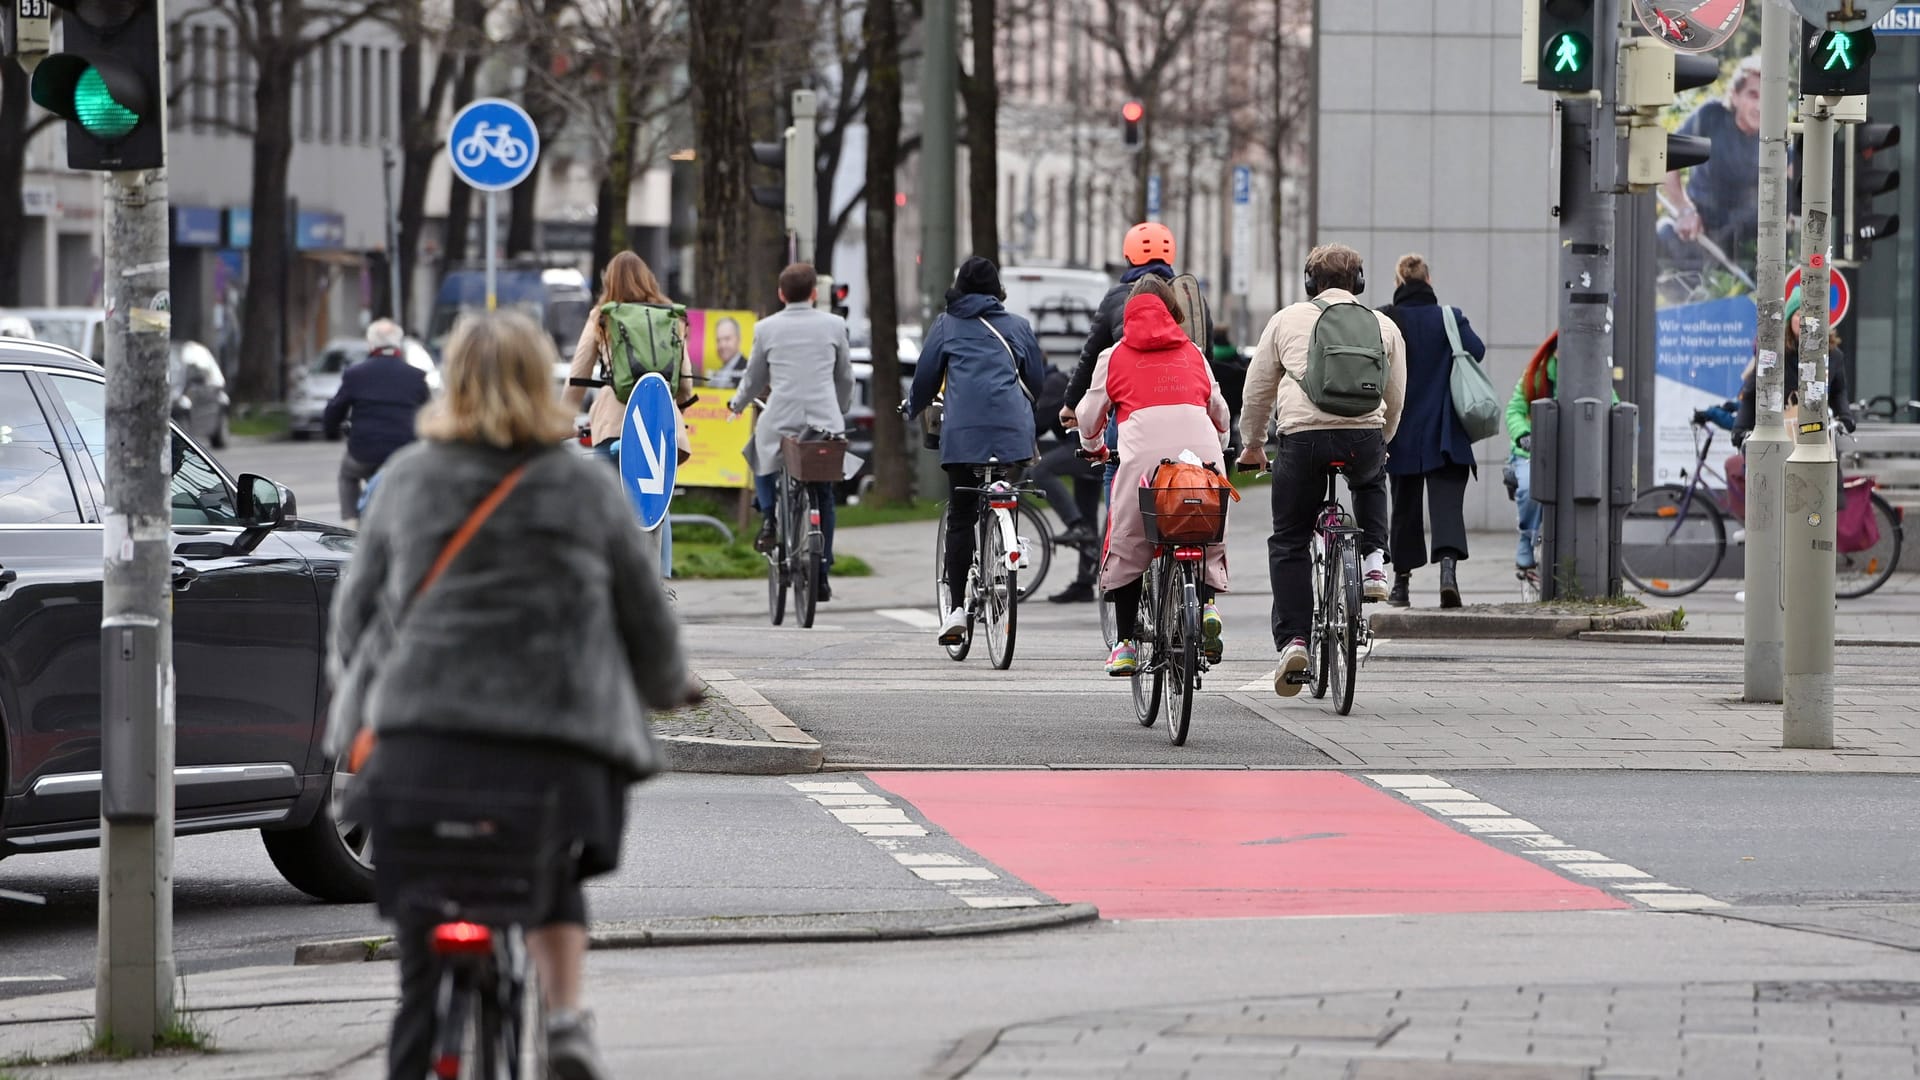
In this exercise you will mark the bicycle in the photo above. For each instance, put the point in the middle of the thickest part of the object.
(1172, 666)
(1674, 536)
(992, 593)
(799, 545)
(475, 869)
(1340, 630)
(489, 141)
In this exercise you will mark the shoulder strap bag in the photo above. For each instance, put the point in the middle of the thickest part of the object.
(1017, 380)
(1474, 401)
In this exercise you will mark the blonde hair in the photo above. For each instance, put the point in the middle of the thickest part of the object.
(498, 380)
(1410, 268)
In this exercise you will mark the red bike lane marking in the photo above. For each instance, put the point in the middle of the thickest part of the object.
(1195, 845)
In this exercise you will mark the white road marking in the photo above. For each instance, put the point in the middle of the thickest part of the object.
(848, 800)
(955, 873)
(870, 815)
(889, 829)
(1438, 797)
(32, 978)
(828, 787)
(1001, 901)
(917, 618)
(1263, 684)
(929, 859)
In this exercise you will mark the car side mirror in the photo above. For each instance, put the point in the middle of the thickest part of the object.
(264, 504)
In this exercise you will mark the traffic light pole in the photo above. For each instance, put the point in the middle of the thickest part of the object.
(938, 124)
(133, 970)
(1769, 443)
(1812, 470)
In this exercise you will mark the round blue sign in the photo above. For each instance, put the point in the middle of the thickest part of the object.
(493, 144)
(649, 448)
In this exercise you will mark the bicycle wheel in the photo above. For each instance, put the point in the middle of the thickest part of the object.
(803, 561)
(1344, 631)
(999, 590)
(1032, 524)
(777, 587)
(1857, 573)
(1671, 542)
(1151, 673)
(942, 598)
(1183, 657)
(1320, 644)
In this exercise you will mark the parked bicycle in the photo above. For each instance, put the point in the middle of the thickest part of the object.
(1674, 536)
(478, 868)
(799, 552)
(992, 594)
(1172, 658)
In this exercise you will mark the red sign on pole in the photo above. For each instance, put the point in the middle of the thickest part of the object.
(1839, 293)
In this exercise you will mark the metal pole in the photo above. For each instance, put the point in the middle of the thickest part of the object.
(803, 178)
(1767, 446)
(1807, 531)
(390, 157)
(133, 967)
(493, 238)
(938, 124)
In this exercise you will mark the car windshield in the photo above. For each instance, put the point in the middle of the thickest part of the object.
(336, 360)
(71, 333)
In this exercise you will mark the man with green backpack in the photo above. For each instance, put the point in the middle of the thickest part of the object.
(1331, 375)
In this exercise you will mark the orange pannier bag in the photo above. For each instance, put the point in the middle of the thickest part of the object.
(1185, 504)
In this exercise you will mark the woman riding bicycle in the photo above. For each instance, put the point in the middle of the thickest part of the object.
(502, 626)
(1161, 388)
(991, 367)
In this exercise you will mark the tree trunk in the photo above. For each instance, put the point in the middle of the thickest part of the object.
(603, 248)
(262, 320)
(420, 141)
(619, 166)
(717, 71)
(891, 466)
(459, 195)
(13, 165)
(983, 136)
(549, 118)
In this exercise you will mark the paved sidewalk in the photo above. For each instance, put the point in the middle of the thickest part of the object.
(1700, 1031)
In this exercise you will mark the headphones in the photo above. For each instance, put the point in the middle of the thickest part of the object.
(1314, 288)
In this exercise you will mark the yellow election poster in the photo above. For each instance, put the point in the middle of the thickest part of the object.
(718, 343)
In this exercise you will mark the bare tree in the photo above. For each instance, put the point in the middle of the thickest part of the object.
(718, 73)
(15, 133)
(980, 91)
(892, 480)
(422, 102)
(539, 37)
(1147, 39)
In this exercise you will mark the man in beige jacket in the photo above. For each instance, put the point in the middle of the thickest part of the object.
(1311, 441)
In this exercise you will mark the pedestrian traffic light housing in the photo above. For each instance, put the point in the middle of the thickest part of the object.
(1837, 63)
(1568, 31)
(1869, 174)
(1650, 75)
(108, 85)
(1130, 116)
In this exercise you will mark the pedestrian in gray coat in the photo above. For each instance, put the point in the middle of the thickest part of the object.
(802, 367)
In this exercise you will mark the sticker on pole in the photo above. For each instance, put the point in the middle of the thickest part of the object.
(1691, 26)
(1830, 14)
(492, 144)
(648, 449)
(1839, 293)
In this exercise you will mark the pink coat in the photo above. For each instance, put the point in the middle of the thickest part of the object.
(1165, 395)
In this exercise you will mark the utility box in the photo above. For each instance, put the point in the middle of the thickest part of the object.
(1544, 472)
(1589, 474)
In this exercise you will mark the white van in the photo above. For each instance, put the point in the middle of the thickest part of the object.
(82, 329)
(1059, 302)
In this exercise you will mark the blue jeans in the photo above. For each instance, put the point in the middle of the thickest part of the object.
(661, 539)
(1526, 511)
(766, 496)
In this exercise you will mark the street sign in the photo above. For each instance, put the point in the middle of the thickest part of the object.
(492, 144)
(648, 449)
(1153, 197)
(1826, 14)
(1839, 293)
(1241, 282)
(1690, 26)
(1903, 19)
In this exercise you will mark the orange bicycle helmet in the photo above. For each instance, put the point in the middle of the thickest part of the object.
(1147, 242)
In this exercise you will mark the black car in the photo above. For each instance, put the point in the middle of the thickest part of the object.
(249, 633)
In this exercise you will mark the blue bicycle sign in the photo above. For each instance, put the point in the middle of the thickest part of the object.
(493, 144)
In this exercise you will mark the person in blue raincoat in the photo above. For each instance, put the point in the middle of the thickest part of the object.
(990, 365)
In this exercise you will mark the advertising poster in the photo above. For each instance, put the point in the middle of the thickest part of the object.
(718, 344)
(1708, 236)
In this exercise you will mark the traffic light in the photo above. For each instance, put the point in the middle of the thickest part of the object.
(1650, 75)
(1569, 30)
(1869, 174)
(107, 85)
(1130, 116)
(1837, 63)
(773, 155)
(841, 291)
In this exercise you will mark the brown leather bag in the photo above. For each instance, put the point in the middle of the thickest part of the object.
(1186, 504)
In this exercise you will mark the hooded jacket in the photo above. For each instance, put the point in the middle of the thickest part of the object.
(989, 416)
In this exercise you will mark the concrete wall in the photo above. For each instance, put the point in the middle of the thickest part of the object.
(1429, 142)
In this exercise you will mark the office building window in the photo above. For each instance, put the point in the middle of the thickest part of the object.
(176, 52)
(325, 93)
(243, 106)
(197, 94)
(346, 93)
(306, 99)
(366, 94)
(386, 94)
(223, 88)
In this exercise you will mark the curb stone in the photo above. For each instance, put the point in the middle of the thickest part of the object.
(1681, 637)
(766, 930)
(787, 749)
(1436, 623)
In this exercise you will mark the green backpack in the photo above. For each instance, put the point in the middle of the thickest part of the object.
(1346, 361)
(642, 338)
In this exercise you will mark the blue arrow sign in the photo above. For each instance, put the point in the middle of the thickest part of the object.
(492, 144)
(648, 449)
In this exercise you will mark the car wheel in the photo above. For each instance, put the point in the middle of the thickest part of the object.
(326, 859)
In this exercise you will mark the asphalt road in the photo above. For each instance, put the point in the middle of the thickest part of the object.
(309, 469)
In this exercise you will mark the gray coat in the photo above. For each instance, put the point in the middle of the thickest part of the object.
(801, 364)
(552, 624)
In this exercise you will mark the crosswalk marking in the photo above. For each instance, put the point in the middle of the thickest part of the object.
(917, 618)
(888, 828)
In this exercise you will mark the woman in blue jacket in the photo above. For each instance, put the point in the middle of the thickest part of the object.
(1430, 459)
(991, 368)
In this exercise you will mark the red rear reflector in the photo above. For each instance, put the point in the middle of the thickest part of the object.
(1667, 512)
(813, 517)
(448, 1067)
(461, 938)
(1189, 554)
(1004, 504)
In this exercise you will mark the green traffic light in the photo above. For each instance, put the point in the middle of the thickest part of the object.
(1567, 54)
(1839, 51)
(97, 110)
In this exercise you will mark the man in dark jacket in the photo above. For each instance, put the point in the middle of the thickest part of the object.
(381, 394)
(1148, 249)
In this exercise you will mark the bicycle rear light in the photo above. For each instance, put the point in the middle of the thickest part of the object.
(461, 939)
(1189, 554)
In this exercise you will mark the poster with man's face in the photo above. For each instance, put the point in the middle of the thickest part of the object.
(718, 346)
(720, 342)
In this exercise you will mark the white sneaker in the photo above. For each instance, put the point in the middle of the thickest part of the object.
(953, 628)
(1373, 576)
(1739, 537)
(1293, 661)
(1740, 597)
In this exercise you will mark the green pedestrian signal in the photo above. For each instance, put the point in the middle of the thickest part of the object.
(106, 84)
(1836, 63)
(1567, 62)
(1840, 51)
(97, 111)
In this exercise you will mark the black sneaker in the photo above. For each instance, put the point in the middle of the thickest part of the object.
(1078, 533)
(824, 593)
(1400, 597)
(1080, 592)
(766, 541)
